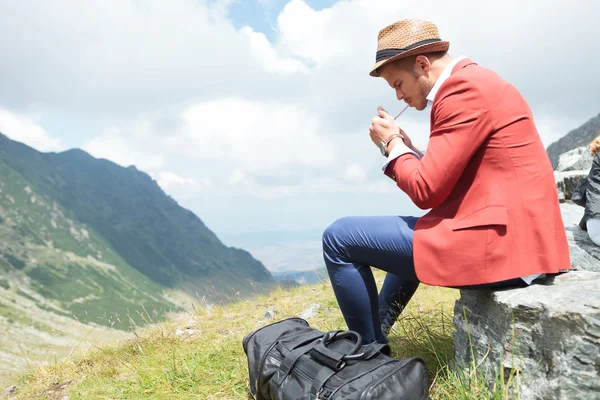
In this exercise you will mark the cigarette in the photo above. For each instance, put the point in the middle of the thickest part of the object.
(400, 113)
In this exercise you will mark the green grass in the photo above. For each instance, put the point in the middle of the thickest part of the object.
(211, 364)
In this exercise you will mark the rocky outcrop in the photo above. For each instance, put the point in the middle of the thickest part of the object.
(547, 334)
(578, 159)
(566, 182)
(572, 166)
(578, 137)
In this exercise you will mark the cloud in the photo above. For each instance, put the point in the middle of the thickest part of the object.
(116, 57)
(179, 187)
(126, 148)
(355, 173)
(180, 92)
(303, 32)
(267, 137)
(169, 179)
(26, 130)
(264, 51)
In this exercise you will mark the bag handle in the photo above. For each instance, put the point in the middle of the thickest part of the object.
(332, 358)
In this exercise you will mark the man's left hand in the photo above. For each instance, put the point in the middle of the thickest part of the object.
(382, 126)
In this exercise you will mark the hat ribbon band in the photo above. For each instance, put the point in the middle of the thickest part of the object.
(388, 53)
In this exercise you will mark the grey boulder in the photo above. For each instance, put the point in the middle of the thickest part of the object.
(566, 182)
(578, 159)
(549, 333)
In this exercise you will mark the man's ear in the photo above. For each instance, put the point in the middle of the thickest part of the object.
(422, 64)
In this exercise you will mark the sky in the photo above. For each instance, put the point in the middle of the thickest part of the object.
(254, 114)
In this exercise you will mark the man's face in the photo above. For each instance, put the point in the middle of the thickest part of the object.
(410, 80)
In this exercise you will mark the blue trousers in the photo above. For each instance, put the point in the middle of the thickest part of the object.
(351, 245)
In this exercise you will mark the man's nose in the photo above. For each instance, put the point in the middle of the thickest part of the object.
(399, 94)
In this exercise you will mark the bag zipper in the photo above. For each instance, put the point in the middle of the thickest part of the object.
(364, 394)
(358, 377)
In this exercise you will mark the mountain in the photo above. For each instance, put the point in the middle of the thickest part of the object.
(144, 226)
(88, 241)
(578, 137)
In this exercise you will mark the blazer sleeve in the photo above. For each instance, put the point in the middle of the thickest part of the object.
(460, 126)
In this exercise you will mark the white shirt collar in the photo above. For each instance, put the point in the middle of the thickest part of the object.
(445, 75)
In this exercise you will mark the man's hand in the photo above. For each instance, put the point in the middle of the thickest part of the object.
(382, 126)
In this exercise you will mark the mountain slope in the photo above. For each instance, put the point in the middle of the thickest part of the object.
(89, 249)
(581, 136)
(143, 225)
(64, 266)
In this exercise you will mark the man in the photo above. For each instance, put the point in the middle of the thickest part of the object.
(494, 218)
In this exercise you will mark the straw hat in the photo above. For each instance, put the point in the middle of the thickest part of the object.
(406, 38)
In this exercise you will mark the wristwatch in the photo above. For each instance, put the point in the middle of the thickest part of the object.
(384, 143)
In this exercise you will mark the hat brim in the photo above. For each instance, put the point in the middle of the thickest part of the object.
(426, 48)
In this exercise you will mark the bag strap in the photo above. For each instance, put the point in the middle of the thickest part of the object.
(374, 349)
(322, 377)
(290, 360)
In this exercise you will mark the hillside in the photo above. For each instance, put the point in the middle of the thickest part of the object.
(581, 136)
(89, 249)
(147, 228)
(199, 355)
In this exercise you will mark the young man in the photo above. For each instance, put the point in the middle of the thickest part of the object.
(494, 218)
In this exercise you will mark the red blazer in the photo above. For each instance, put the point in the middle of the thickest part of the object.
(489, 184)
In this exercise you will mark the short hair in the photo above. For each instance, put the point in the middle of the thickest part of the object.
(410, 60)
(595, 146)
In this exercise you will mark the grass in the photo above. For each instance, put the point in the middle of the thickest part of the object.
(207, 361)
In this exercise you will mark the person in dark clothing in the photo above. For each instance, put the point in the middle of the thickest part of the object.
(591, 217)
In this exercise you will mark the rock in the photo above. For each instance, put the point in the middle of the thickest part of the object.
(578, 159)
(556, 329)
(310, 312)
(585, 254)
(187, 332)
(270, 314)
(10, 390)
(566, 182)
(561, 195)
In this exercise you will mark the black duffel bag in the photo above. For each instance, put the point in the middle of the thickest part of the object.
(289, 360)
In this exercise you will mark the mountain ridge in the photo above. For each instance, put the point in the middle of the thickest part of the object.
(128, 208)
(580, 136)
(86, 240)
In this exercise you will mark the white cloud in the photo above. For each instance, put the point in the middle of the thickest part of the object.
(180, 187)
(264, 51)
(125, 148)
(169, 179)
(266, 137)
(303, 32)
(124, 57)
(355, 173)
(178, 90)
(26, 130)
